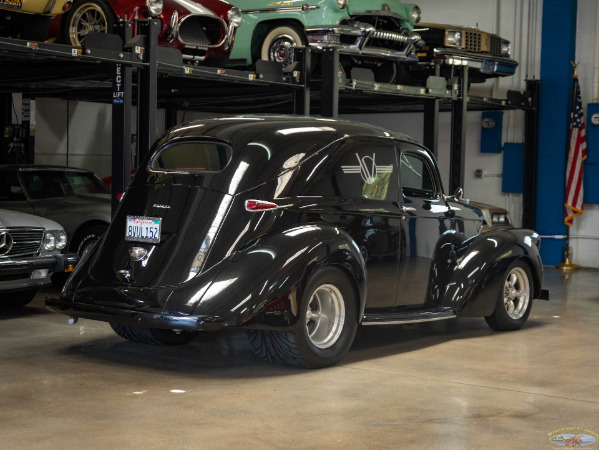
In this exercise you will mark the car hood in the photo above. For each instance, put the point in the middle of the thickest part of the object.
(17, 219)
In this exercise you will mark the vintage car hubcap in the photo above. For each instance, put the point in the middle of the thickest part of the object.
(281, 49)
(516, 293)
(86, 19)
(325, 316)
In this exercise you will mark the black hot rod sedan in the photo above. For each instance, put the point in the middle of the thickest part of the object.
(299, 230)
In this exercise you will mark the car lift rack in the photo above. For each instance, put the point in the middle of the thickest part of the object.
(114, 63)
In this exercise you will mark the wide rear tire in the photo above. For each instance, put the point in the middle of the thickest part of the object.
(153, 336)
(325, 329)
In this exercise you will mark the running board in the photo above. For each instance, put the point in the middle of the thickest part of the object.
(394, 318)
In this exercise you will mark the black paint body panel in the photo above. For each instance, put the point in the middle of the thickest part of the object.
(340, 203)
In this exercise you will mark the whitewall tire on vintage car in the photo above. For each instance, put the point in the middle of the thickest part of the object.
(514, 300)
(279, 43)
(84, 17)
(325, 329)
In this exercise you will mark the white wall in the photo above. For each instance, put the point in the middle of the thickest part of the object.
(519, 21)
(585, 231)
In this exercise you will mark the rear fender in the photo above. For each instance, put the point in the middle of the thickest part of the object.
(466, 274)
(262, 286)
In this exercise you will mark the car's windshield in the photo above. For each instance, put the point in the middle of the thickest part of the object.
(55, 183)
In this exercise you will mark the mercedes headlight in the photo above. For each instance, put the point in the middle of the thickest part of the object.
(154, 7)
(342, 4)
(416, 14)
(54, 240)
(61, 239)
(234, 16)
(454, 38)
(506, 48)
(49, 242)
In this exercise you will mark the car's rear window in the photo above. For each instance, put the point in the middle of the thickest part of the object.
(56, 183)
(192, 157)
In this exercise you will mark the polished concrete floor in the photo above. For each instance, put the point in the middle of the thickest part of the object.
(443, 385)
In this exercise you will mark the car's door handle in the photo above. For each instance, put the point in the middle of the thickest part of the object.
(407, 209)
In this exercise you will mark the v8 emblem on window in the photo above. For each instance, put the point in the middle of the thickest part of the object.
(367, 168)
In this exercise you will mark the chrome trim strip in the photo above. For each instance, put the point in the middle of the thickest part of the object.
(281, 9)
(404, 321)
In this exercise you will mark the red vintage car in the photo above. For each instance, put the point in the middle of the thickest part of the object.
(203, 30)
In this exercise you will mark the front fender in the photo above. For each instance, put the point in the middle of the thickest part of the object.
(466, 274)
(262, 285)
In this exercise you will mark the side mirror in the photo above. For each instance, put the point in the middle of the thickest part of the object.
(458, 195)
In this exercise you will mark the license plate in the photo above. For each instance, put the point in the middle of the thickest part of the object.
(488, 67)
(143, 229)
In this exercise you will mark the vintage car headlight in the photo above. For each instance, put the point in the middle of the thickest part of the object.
(506, 48)
(49, 242)
(453, 38)
(61, 239)
(499, 219)
(234, 16)
(416, 13)
(342, 4)
(154, 7)
(54, 239)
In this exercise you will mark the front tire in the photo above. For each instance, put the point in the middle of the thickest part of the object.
(155, 336)
(279, 43)
(514, 300)
(87, 238)
(325, 328)
(86, 16)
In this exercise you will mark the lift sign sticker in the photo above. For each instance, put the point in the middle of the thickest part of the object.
(143, 229)
(18, 4)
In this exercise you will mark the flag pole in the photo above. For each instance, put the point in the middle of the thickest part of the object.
(567, 266)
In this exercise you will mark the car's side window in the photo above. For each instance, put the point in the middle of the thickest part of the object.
(416, 176)
(368, 170)
(10, 188)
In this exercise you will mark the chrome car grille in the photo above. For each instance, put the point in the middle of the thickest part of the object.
(390, 36)
(23, 241)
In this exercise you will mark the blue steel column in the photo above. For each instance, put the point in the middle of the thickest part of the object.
(555, 100)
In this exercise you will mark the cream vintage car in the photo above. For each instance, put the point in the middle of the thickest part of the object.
(29, 19)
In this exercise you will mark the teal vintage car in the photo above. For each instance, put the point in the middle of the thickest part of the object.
(367, 34)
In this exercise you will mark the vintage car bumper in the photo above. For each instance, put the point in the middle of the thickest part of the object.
(32, 272)
(131, 317)
(487, 64)
(354, 40)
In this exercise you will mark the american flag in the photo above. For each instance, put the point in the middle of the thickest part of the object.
(576, 155)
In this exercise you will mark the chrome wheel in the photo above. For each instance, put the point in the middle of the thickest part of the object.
(281, 50)
(85, 19)
(279, 43)
(325, 316)
(516, 293)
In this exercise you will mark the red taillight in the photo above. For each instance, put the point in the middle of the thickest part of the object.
(119, 197)
(259, 205)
